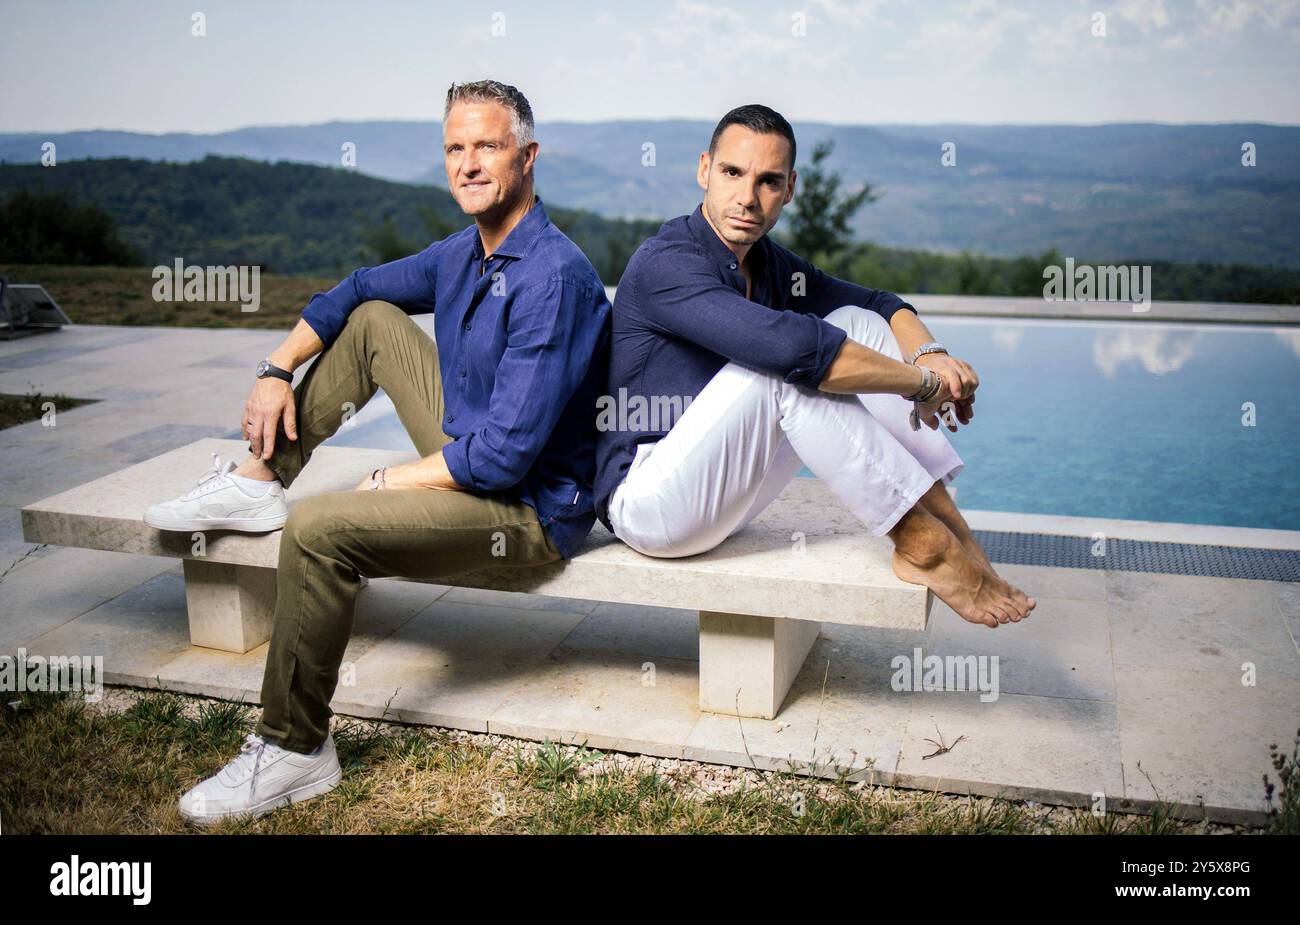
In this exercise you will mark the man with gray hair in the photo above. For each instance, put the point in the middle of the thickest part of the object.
(498, 405)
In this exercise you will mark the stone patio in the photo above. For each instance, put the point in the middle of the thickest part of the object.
(1121, 683)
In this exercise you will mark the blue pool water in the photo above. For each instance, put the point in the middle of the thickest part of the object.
(1136, 420)
(1129, 420)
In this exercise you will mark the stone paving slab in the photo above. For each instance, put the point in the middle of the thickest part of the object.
(1049, 749)
(1125, 684)
(537, 672)
(1004, 307)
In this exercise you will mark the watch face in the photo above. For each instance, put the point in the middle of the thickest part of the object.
(262, 368)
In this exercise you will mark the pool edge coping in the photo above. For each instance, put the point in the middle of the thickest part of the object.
(1146, 530)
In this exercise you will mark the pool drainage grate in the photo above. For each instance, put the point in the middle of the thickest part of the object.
(1142, 556)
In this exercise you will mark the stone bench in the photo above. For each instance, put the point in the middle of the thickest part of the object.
(761, 595)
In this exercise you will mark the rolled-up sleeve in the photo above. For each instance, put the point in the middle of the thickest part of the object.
(556, 326)
(684, 297)
(409, 283)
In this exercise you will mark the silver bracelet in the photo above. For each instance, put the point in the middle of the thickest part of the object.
(931, 347)
(927, 385)
(914, 416)
(938, 387)
(931, 385)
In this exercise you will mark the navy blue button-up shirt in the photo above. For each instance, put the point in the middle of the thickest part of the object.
(680, 314)
(523, 341)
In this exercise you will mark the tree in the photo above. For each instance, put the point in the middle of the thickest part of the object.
(819, 224)
(386, 242)
(39, 227)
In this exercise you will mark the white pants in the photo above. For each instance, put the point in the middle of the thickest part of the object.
(747, 433)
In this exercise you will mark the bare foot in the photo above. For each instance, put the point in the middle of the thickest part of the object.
(938, 502)
(926, 553)
(1022, 601)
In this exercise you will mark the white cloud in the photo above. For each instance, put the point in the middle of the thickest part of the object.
(1145, 14)
(1158, 351)
(848, 12)
(1008, 336)
(966, 41)
(1290, 337)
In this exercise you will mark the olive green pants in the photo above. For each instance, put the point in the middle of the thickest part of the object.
(330, 540)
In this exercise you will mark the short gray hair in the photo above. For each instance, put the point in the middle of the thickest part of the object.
(492, 91)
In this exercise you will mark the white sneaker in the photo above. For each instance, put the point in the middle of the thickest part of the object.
(217, 502)
(262, 778)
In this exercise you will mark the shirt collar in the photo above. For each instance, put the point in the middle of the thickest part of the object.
(522, 237)
(707, 238)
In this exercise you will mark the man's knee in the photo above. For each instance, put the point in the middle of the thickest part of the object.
(307, 526)
(864, 326)
(854, 317)
(372, 312)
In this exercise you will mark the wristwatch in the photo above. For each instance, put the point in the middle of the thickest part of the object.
(265, 369)
(931, 347)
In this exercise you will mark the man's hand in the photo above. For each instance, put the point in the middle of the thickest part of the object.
(947, 410)
(927, 412)
(430, 472)
(957, 374)
(270, 400)
(960, 383)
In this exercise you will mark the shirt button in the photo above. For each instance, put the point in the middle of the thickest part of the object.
(462, 374)
(450, 418)
(733, 266)
(466, 325)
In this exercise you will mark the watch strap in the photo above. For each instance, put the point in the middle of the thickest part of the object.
(267, 368)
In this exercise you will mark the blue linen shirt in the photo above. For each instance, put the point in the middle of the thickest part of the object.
(680, 314)
(523, 344)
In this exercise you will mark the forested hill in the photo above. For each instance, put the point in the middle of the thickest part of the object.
(1116, 192)
(286, 217)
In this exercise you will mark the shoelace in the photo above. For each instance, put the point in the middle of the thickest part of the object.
(216, 472)
(252, 750)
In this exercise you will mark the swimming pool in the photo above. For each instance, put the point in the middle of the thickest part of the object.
(1129, 420)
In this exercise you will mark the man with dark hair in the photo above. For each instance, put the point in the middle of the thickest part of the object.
(498, 407)
(756, 118)
(776, 365)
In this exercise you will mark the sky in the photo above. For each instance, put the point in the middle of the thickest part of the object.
(137, 65)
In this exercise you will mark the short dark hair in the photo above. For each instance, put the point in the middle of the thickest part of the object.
(757, 118)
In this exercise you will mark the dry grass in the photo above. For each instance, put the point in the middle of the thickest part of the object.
(118, 766)
(124, 295)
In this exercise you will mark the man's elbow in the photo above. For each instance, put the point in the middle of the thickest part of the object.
(503, 471)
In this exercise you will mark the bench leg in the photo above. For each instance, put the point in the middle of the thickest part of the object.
(230, 606)
(751, 658)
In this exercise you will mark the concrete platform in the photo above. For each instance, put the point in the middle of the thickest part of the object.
(1121, 684)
